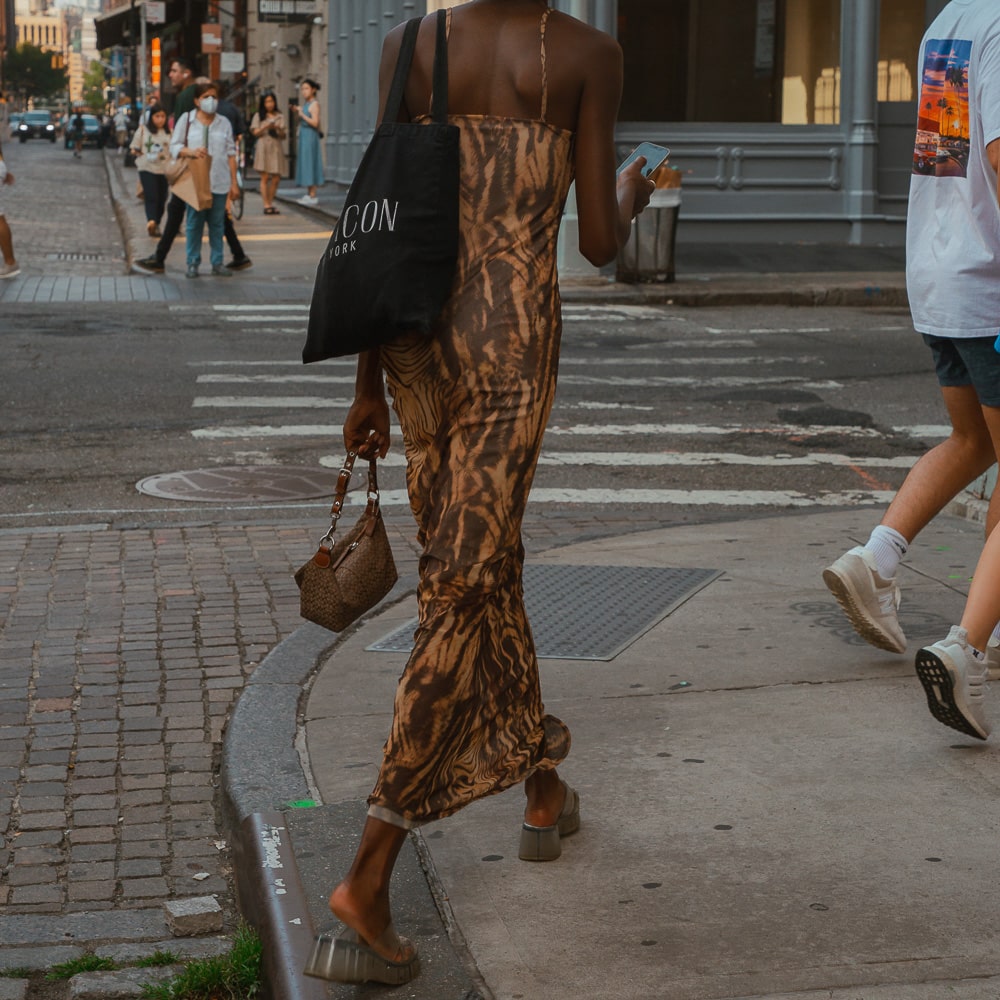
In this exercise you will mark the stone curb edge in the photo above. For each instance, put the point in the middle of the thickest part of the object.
(261, 770)
(121, 212)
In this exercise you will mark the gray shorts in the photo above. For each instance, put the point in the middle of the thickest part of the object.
(971, 361)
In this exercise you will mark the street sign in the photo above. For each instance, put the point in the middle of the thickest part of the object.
(231, 62)
(286, 10)
(211, 38)
(156, 11)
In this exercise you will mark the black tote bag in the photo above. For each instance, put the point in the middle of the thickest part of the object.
(390, 263)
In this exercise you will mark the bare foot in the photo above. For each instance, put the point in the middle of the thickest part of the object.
(546, 797)
(371, 918)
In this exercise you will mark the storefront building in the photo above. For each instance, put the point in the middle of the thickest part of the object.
(789, 119)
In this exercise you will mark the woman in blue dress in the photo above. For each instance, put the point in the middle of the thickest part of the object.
(309, 165)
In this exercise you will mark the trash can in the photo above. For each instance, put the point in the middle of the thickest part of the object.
(649, 253)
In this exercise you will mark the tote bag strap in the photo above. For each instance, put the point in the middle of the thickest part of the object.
(439, 108)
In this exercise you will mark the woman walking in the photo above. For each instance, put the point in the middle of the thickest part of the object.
(151, 144)
(269, 129)
(198, 134)
(535, 94)
(309, 165)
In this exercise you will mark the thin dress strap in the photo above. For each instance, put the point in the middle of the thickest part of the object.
(545, 82)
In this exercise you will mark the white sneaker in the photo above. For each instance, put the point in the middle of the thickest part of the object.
(9, 270)
(954, 682)
(306, 200)
(869, 601)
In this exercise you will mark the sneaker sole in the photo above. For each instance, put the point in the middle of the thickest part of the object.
(868, 629)
(940, 690)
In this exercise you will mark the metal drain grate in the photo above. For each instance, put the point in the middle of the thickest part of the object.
(589, 612)
(75, 256)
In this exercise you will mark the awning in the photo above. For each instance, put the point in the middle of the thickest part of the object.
(115, 27)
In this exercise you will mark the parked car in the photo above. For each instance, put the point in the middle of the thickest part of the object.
(36, 125)
(91, 131)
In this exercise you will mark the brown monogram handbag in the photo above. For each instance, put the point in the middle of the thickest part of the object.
(344, 580)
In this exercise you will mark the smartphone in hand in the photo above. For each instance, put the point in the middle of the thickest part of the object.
(655, 157)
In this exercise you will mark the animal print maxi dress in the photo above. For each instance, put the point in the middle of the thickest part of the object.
(473, 402)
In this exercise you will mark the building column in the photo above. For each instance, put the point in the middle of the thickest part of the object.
(859, 22)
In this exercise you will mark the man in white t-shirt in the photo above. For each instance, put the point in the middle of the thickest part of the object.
(953, 283)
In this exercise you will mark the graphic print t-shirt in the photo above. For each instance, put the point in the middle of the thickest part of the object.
(953, 220)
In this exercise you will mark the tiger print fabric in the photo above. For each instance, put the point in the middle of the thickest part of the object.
(473, 402)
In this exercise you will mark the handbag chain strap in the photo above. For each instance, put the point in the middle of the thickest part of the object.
(340, 495)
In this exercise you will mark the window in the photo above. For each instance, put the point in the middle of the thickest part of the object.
(901, 26)
(731, 60)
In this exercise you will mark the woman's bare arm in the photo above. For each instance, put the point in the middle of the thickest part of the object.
(606, 206)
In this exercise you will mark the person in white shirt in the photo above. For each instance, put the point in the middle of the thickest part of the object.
(953, 283)
(151, 145)
(198, 134)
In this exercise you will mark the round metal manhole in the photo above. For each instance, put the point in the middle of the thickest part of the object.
(260, 483)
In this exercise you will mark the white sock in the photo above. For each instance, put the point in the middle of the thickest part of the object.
(887, 546)
(996, 633)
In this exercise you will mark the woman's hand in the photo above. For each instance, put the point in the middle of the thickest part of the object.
(366, 428)
(234, 191)
(634, 190)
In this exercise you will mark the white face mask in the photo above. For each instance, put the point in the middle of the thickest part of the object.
(209, 105)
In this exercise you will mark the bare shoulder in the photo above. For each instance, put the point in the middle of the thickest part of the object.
(584, 40)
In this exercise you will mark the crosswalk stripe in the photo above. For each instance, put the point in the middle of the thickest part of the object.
(628, 459)
(606, 430)
(698, 498)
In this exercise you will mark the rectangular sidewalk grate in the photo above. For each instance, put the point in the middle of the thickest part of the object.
(589, 612)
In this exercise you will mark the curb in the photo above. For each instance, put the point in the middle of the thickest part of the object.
(121, 212)
(261, 774)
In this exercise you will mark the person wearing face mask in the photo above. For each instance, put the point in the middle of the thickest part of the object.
(204, 133)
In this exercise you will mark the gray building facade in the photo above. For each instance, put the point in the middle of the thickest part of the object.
(789, 119)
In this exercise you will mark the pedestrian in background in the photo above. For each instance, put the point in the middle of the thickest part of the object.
(953, 284)
(76, 131)
(309, 162)
(10, 267)
(203, 132)
(121, 129)
(181, 76)
(269, 130)
(535, 94)
(151, 145)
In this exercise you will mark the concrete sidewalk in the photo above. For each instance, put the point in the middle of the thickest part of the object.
(799, 274)
(769, 810)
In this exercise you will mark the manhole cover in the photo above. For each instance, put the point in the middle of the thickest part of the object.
(589, 612)
(263, 483)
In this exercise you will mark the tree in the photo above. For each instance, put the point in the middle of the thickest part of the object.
(93, 86)
(29, 71)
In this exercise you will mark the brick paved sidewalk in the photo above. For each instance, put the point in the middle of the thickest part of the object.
(121, 655)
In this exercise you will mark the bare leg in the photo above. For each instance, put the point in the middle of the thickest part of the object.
(362, 900)
(546, 796)
(312, 190)
(6, 242)
(275, 180)
(982, 609)
(947, 468)
(264, 178)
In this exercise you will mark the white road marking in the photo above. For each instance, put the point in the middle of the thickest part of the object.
(639, 459)
(274, 402)
(682, 382)
(590, 430)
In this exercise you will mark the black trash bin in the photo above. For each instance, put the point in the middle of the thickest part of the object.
(649, 254)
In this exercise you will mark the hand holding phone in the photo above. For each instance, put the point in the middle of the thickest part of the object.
(655, 157)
